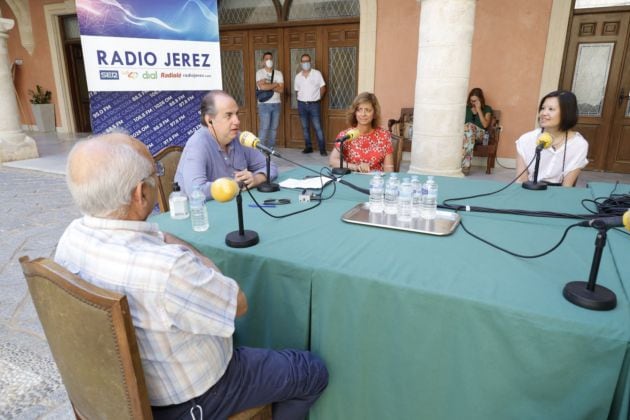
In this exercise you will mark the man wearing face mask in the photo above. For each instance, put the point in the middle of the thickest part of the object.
(267, 78)
(310, 88)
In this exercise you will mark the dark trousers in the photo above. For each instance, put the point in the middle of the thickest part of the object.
(290, 379)
(310, 115)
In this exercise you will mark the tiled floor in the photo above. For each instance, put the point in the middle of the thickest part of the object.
(30, 387)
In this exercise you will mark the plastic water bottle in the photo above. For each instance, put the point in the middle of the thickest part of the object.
(178, 203)
(429, 199)
(198, 210)
(405, 196)
(391, 195)
(416, 196)
(376, 194)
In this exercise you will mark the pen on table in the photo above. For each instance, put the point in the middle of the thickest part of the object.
(262, 205)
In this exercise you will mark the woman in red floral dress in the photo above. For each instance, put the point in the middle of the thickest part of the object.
(372, 150)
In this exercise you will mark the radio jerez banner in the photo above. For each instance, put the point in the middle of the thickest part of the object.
(150, 44)
(148, 64)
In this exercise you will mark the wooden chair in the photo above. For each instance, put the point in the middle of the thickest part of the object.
(397, 143)
(402, 126)
(490, 150)
(169, 159)
(93, 342)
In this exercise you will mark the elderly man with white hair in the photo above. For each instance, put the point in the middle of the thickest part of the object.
(183, 308)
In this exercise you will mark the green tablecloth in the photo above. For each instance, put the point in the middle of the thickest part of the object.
(418, 326)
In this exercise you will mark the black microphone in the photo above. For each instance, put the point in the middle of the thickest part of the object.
(248, 139)
(609, 222)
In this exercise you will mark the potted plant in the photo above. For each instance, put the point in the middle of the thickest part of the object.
(43, 110)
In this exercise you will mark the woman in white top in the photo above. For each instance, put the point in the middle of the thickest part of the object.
(561, 163)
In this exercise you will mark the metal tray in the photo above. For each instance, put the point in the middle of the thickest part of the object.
(444, 223)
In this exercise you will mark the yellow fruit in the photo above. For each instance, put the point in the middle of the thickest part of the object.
(224, 189)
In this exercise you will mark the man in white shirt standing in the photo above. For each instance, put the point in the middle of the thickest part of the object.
(267, 78)
(310, 88)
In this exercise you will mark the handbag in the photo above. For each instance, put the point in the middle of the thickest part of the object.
(265, 95)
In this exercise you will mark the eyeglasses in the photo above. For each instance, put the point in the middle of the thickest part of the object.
(159, 169)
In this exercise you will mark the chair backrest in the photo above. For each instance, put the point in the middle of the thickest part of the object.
(92, 340)
(495, 127)
(397, 143)
(169, 158)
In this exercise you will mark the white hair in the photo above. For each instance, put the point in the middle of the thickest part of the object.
(114, 173)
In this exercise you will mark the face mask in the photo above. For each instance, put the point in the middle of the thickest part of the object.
(306, 66)
(269, 63)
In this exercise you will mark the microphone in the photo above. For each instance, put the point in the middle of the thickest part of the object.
(609, 222)
(589, 294)
(248, 139)
(350, 135)
(544, 141)
(224, 189)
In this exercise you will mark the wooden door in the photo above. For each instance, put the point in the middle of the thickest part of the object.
(262, 40)
(298, 41)
(618, 156)
(78, 86)
(237, 63)
(594, 71)
(334, 50)
(341, 64)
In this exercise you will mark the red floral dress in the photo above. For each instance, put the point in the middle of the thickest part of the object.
(371, 148)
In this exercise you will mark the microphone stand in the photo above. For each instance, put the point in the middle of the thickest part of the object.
(535, 185)
(341, 181)
(341, 170)
(268, 186)
(241, 238)
(588, 294)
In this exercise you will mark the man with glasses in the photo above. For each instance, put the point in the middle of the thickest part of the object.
(214, 150)
(310, 87)
(183, 308)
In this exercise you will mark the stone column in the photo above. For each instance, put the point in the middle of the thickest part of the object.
(14, 144)
(443, 70)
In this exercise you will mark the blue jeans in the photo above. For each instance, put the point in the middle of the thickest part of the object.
(290, 379)
(269, 117)
(310, 114)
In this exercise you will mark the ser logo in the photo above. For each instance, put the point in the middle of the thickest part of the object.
(108, 74)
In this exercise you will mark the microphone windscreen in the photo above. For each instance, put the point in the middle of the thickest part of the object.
(248, 139)
(352, 134)
(544, 140)
(224, 189)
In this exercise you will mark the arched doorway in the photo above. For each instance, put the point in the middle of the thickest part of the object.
(327, 30)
